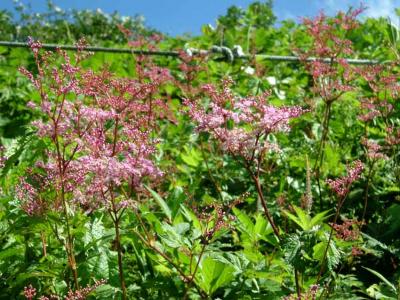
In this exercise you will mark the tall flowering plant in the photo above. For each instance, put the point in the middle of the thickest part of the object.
(98, 128)
(241, 126)
(379, 113)
(326, 58)
(341, 187)
(332, 75)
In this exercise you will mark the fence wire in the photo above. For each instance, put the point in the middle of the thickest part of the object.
(227, 53)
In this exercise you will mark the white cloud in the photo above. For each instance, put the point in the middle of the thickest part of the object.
(375, 8)
(382, 8)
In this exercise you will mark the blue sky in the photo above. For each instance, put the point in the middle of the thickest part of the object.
(180, 16)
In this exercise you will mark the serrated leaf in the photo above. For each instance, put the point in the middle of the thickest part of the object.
(304, 220)
(292, 248)
(332, 256)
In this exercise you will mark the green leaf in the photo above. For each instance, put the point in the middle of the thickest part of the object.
(332, 161)
(332, 256)
(381, 277)
(192, 157)
(191, 217)
(244, 220)
(301, 218)
(261, 225)
(174, 236)
(171, 237)
(292, 249)
(214, 274)
(263, 230)
(10, 252)
(319, 218)
(294, 219)
(304, 220)
(392, 32)
(23, 276)
(164, 206)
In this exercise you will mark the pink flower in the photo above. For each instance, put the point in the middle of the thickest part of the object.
(393, 136)
(29, 292)
(348, 231)
(34, 45)
(82, 293)
(333, 77)
(373, 149)
(241, 125)
(341, 186)
(98, 128)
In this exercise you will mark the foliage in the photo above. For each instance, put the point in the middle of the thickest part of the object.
(136, 177)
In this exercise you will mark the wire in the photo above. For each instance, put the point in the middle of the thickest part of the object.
(352, 61)
(227, 53)
(91, 49)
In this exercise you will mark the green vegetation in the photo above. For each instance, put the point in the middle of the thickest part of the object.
(135, 177)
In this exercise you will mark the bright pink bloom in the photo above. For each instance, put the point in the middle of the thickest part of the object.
(99, 127)
(241, 125)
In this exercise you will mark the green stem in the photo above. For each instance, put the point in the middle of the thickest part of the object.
(320, 155)
(296, 278)
(120, 265)
(116, 220)
(205, 159)
(338, 208)
(192, 276)
(69, 245)
(366, 191)
(264, 205)
(185, 277)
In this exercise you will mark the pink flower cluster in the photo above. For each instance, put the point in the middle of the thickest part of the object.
(241, 125)
(355, 251)
(99, 127)
(373, 107)
(30, 194)
(324, 31)
(348, 230)
(341, 186)
(381, 78)
(373, 150)
(393, 136)
(330, 76)
(29, 292)
(383, 82)
(82, 294)
(190, 66)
